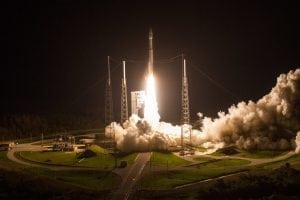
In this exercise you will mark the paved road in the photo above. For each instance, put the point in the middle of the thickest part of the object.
(30, 147)
(132, 173)
(130, 176)
(23, 147)
(253, 161)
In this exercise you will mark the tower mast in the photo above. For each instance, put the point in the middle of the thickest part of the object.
(185, 110)
(108, 97)
(124, 103)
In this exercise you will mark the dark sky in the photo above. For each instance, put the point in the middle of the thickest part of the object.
(54, 52)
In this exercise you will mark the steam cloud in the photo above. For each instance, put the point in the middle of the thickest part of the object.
(270, 123)
(297, 142)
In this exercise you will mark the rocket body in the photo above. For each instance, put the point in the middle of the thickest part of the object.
(150, 62)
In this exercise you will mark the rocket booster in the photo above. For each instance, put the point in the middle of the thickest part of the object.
(150, 62)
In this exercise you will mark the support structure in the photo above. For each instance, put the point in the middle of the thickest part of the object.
(185, 109)
(124, 103)
(181, 152)
(108, 97)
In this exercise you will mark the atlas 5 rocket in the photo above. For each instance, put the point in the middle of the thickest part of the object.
(150, 62)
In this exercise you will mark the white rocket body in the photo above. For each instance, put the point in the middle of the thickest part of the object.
(150, 62)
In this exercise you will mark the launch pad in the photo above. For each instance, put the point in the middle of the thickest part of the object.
(150, 133)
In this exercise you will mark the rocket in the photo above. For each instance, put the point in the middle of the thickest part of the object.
(150, 61)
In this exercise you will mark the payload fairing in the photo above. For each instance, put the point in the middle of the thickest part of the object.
(150, 62)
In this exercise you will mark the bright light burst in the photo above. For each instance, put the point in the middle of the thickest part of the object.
(151, 111)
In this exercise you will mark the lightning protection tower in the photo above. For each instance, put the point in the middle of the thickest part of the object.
(185, 110)
(108, 97)
(124, 104)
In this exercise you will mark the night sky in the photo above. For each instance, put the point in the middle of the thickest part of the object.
(54, 52)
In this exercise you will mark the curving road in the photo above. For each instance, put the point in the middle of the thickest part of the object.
(129, 174)
(30, 147)
(253, 161)
(132, 173)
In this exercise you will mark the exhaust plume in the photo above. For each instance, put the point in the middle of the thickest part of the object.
(297, 141)
(270, 123)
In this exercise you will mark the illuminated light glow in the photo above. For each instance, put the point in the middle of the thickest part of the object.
(151, 114)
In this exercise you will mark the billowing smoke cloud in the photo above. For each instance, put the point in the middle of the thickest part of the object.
(138, 135)
(270, 123)
(297, 150)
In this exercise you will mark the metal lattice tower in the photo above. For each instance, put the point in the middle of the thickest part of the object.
(185, 96)
(124, 104)
(108, 97)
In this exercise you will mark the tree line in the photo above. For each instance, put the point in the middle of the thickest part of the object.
(18, 126)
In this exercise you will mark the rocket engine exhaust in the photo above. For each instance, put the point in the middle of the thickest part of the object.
(151, 114)
(271, 122)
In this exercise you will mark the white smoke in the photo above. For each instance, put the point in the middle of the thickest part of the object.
(269, 123)
(138, 135)
(297, 141)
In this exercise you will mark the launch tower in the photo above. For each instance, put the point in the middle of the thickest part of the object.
(124, 103)
(108, 97)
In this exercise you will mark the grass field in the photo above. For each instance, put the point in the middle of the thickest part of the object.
(261, 154)
(216, 153)
(6, 163)
(17, 184)
(172, 178)
(257, 154)
(166, 158)
(293, 160)
(223, 163)
(102, 160)
(63, 158)
(202, 158)
(96, 180)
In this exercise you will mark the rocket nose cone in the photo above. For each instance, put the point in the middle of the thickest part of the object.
(150, 33)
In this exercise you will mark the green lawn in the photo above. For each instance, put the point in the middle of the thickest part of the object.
(128, 157)
(172, 178)
(6, 163)
(62, 158)
(166, 158)
(202, 158)
(223, 163)
(102, 160)
(96, 180)
(3, 157)
(261, 154)
(216, 153)
(293, 160)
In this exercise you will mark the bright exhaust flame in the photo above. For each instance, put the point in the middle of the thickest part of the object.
(151, 111)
